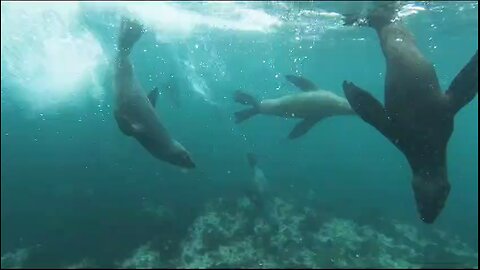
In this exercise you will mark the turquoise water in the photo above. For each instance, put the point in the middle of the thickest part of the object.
(75, 190)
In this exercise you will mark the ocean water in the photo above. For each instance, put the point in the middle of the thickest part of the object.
(76, 192)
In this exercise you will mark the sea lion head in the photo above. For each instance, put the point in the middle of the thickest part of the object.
(180, 156)
(431, 193)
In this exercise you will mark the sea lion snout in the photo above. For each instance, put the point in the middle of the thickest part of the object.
(182, 159)
(430, 196)
(180, 156)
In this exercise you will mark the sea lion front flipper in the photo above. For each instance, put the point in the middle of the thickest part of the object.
(302, 83)
(465, 85)
(152, 96)
(303, 127)
(368, 108)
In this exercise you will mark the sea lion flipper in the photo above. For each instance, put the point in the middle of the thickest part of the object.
(367, 107)
(303, 127)
(152, 96)
(130, 33)
(302, 83)
(464, 86)
(246, 99)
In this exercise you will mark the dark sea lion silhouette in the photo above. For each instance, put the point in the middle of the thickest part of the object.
(135, 111)
(418, 118)
(312, 105)
(258, 191)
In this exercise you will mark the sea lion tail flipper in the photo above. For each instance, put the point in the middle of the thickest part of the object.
(252, 159)
(383, 14)
(245, 99)
(130, 33)
(243, 115)
(351, 19)
(303, 127)
(302, 83)
(464, 86)
(152, 96)
(367, 107)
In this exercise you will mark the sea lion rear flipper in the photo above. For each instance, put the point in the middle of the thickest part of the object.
(152, 96)
(246, 99)
(383, 13)
(303, 127)
(130, 33)
(465, 85)
(302, 83)
(367, 107)
(350, 19)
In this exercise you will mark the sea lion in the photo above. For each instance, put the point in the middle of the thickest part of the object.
(312, 105)
(259, 181)
(135, 111)
(418, 118)
(259, 193)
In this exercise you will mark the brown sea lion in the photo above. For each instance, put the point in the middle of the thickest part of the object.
(418, 118)
(135, 111)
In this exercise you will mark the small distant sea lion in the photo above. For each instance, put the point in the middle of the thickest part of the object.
(259, 192)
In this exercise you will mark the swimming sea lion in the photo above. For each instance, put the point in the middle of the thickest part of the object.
(259, 192)
(258, 180)
(312, 105)
(417, 118)
(135, 111)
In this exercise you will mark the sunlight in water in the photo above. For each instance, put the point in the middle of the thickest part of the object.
(173, 21)
(49, 56)
(52, 58)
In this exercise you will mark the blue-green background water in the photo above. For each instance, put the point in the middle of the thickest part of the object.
(73, 186)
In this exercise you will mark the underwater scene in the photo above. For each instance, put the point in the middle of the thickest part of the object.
(224, 134)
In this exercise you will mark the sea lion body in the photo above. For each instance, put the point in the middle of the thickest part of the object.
(314, 104)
